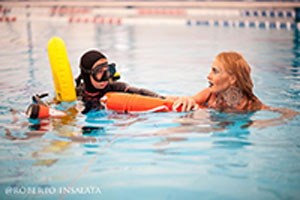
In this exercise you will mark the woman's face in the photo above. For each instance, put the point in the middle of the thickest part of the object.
(102, 84)
(219, 79)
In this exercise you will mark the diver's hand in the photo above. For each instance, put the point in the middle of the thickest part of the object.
(187, 103)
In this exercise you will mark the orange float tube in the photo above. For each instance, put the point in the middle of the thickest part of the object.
(125, 102)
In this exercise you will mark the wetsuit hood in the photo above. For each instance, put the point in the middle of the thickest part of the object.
(87, 61)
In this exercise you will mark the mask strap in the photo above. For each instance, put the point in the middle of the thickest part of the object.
(85, 70)
(78, 80)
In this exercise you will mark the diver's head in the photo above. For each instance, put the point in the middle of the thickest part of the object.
(94, 70)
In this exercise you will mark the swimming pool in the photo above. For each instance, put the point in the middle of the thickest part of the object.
(103, 155)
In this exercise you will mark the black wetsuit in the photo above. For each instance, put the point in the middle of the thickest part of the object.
(92, 100)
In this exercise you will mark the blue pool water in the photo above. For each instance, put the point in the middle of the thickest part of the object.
(200, 155)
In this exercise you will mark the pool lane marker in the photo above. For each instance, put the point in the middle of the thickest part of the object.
(269, 13)
(61, 10)
(188, 22)
(7, 19)
(102, 20)
(271, 23)
(160, 11)
(245, 24)
(4, 15)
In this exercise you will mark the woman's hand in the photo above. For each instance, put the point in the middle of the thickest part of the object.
(187, 103)
(172, 98)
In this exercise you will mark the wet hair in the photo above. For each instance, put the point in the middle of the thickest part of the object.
(87, 61)
(235, 64)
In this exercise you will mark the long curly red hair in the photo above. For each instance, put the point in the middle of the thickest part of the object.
(235, 64)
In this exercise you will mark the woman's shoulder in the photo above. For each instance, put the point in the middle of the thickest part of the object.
(203, 96)
(255, 105)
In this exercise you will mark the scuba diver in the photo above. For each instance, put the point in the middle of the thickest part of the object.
(99, 77)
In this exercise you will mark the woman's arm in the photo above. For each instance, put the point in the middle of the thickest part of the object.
(286, 114)
(202, 97)
(189, 103)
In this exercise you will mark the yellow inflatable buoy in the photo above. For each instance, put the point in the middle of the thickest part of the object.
(61, 70)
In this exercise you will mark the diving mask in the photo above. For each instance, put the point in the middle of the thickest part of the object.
(107, 71)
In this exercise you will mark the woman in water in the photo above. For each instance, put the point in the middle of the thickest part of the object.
(97, 75)
(230, 89)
